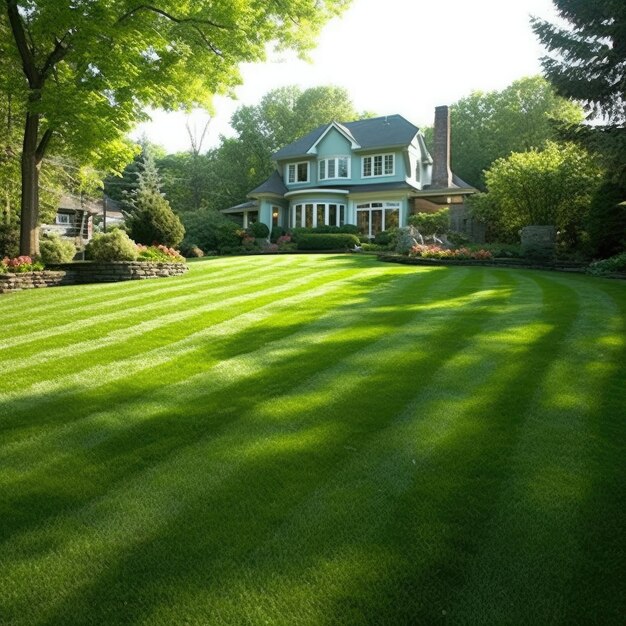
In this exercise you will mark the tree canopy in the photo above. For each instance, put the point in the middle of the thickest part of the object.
(550, 186)
(86, 69)
(486, 126)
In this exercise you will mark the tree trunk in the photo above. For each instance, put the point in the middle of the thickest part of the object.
(29, 229)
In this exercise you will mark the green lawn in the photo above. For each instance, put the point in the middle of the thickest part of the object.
(314, 440)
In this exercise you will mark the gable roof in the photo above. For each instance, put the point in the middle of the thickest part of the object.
(371, 133)
(274, 184)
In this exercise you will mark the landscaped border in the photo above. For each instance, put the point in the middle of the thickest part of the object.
(557, 266)
(84, 272)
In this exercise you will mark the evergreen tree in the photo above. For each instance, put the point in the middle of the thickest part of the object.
(590, 66)
(150, 218)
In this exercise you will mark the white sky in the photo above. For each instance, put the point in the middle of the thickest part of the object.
(393, 56)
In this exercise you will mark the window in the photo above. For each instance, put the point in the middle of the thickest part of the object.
(334, 167)
(64, 218)
(298, 172)
(319, 214)
(375, 217)
(378, 165)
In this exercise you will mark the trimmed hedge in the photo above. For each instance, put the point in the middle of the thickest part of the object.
(331, 241)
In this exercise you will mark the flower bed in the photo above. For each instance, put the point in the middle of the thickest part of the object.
(437, 252)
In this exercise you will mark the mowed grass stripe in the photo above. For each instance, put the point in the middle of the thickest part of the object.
(72, 307)
(211, 307)
(148, 310)
(299, 290)
(301, 328)
(264, 425)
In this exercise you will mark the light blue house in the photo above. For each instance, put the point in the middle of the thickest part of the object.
(373, 173)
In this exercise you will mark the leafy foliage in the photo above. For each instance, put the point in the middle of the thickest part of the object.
(210, 231)
(327, 241)
(115, 245)
(259, 230)
(53, 249)
(549, 186)
(85, 71)
(431, 224)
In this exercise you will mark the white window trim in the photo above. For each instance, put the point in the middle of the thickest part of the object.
(295, 170)
(386, 206)
(382, 155)
(326, 204)
(336, 159)
(64, 219)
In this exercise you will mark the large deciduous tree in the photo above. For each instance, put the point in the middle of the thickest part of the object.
(89, 68)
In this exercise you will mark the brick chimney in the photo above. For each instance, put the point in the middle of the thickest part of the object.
(442, 176)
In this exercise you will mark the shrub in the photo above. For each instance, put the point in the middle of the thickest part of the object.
(277, 232)
(53, 249)
(20, 264)
(613, 264)
(115, 245)
(331, 241)
(153, 221)
(373, 247)
(437, 252)
(9, 239)
(160, 254)
(351, 229)
(210, 230)
(430, 224)
(387, 237)
(259, 230)
(458, 239)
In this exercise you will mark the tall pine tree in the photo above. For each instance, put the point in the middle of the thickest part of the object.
(150, 218)
(588, 64)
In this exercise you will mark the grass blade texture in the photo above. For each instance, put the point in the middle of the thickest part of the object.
(314, 440)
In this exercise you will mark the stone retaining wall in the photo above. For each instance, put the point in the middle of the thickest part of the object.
(84, 272)
(114, 271)
(32, 280)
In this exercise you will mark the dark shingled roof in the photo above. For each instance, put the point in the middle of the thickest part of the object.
(274, 184)
(457, 183)
(376, 132)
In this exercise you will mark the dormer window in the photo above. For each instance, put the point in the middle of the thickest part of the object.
(378, 165)
(298, 172)
(334, 167)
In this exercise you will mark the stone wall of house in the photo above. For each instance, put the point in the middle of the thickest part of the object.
(80, 273)
(33, 280)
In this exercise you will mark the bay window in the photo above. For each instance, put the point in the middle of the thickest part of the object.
(310, 215)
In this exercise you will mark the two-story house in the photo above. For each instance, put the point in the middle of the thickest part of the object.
(373, 173)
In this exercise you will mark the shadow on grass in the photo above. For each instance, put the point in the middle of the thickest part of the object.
(230, 503)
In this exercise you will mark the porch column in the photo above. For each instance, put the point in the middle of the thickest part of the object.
(245, 219)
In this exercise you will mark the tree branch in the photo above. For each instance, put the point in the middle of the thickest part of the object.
(57, 54)
(26, 54)
(43, 145)
(172, 18)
